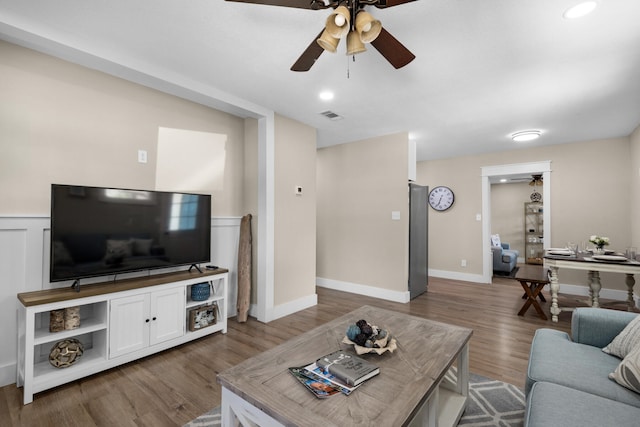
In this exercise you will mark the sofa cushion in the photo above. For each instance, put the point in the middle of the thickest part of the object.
(555, 358)
(554, 405)
(495, 240)
(626, 340)
(627, 373)
(598, 327)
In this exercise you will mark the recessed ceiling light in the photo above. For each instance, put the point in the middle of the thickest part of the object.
(525, 135)
(503, 180)
(326, 95)
(580, 10)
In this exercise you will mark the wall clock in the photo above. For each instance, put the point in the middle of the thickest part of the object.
(441, 198)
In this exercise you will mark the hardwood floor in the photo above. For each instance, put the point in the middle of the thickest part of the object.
(175, 386)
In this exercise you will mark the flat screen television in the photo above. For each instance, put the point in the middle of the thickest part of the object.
(97, 231)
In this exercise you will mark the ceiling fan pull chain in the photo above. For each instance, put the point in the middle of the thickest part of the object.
(347, 66)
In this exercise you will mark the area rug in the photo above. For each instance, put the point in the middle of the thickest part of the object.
(491, 404)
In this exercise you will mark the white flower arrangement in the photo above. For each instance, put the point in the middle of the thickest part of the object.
(599, 241)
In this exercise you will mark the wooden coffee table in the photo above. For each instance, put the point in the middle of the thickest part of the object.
(424, 382)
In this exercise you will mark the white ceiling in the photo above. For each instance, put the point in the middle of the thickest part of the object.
(483, 68)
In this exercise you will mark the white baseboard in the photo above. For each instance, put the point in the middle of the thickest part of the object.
(359, 289)
(291, 307)
(403, 297)
(288, 308)
(455, 275)
(8, 374)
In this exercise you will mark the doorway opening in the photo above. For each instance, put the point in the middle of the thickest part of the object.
(500, 171)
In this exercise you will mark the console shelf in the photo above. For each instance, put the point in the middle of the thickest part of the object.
(119, 322)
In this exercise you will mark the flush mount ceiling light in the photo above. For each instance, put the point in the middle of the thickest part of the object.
(580, 10)
(525, 135)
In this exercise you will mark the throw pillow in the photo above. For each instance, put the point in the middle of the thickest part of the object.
(627, 374)
(121, 247)
(626, 340)
(495, 240)
(117, 251)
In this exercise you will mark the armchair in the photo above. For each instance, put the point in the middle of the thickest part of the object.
(504, 258)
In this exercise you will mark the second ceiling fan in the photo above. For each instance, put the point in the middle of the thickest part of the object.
(348, 20)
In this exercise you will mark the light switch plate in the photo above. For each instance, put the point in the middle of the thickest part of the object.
(142, 156)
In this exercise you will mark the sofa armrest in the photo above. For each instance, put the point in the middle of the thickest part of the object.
(598, 327)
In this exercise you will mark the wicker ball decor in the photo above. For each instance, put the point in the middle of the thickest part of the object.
(65, 353)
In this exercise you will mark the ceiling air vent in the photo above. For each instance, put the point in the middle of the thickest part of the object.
(331, 115)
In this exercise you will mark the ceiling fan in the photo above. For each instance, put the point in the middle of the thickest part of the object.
(535, 180)
(348, 20)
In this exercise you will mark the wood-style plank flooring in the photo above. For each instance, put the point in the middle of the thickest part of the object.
(175, 386)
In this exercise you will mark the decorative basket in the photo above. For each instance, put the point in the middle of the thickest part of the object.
(200, 292)
(65, 353)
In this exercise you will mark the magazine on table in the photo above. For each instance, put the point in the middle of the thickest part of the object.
(316, 371)
(349, 368)
(320, 387)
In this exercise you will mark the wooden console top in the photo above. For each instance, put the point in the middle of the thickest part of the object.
(64, 294)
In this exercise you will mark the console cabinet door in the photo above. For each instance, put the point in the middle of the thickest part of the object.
(167, 315)
(129, 324)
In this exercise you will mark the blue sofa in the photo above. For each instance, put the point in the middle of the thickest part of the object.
(504, 258)
(567, 380)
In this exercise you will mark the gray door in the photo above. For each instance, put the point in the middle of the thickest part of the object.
(418, 248)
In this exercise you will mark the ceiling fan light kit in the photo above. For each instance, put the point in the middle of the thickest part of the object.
(350, 20)
(354, 44)
(367, 26)
(328, 42)
(363, 29)
(339, 22)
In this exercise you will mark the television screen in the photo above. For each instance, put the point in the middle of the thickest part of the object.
(103, 231)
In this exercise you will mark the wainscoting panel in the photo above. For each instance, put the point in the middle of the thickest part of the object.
(24, 267)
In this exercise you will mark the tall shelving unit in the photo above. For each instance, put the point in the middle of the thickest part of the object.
(533, 232)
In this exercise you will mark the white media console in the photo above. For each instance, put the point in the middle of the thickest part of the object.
(119, 322)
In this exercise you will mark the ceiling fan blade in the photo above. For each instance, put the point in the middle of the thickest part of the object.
(309, 56)
(392, 49)
(381, 4)
(301, 4)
